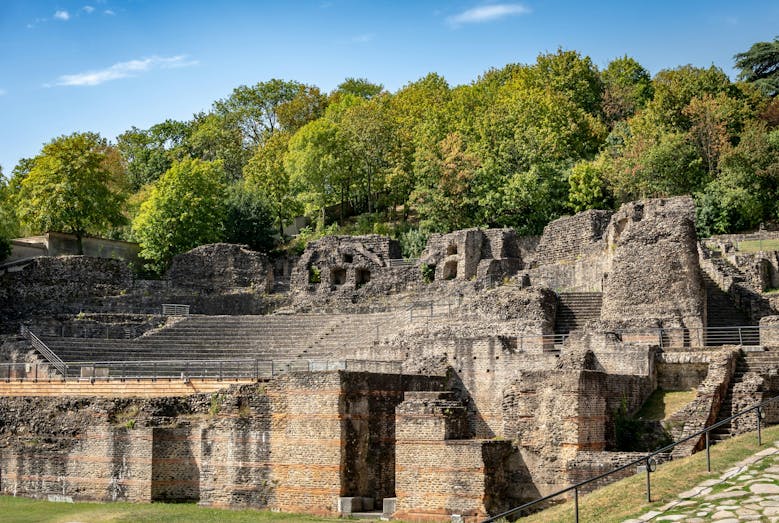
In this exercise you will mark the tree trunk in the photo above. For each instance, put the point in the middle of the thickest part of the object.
(80, 243)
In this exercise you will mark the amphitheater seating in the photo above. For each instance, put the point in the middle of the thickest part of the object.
(271, 337)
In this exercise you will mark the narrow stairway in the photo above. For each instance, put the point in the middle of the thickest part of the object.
(722, 318)
(576, 308)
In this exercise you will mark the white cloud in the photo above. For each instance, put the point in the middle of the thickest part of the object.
(62, 15)
(487, 13)
(88, 9)
(108, 12)
(124, 70)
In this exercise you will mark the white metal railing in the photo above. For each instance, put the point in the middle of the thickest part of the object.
(175, 309)
(44, 351)
(218, 369)
(403, 262)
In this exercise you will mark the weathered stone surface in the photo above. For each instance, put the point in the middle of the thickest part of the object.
(654, 268)
(221, 267)
(50, 285)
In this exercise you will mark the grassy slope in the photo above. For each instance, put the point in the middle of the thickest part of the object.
(23, 510)
(662, 404)
(626, 499)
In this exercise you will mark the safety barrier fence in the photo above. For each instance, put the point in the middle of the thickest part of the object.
(647, 463)
(219, 369)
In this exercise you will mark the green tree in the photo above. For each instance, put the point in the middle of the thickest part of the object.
(320, 166)
(265, 173)
(370, 136)
(68, 188)
(675, 89)
(445, 196)
(420, 114)
(186, 208)
(217, 137)
(149, 153)
(248, 218)
(6, 218)
(760, 65)
(627, 88)
(567, 73)
(587, 188)
(359, 87)
(254, 110)
(307, 105)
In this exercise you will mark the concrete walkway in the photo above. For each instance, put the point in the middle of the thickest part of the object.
(747, 492)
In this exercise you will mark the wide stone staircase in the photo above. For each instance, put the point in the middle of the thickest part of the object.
(576, 308)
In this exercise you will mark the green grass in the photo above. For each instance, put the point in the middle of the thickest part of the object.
(758, 245)
(662, 404)
(626, 499)
(24, 510)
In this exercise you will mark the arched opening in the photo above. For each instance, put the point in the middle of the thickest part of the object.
(451, 249)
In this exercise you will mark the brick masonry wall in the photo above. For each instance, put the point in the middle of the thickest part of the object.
(104, 464)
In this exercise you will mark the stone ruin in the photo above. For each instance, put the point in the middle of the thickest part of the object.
(485, 374)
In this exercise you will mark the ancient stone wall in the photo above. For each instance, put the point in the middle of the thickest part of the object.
(438, 472)
(473, 253)
(221, 267)
(702, 411)
(654, 267)
(56, 285)
(569, 238)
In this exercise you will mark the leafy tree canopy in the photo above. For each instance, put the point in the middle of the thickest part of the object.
(186, 208)
(68, 188)
(760, 65)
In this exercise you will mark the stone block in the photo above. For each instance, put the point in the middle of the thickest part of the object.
(388, 507)
(348, 505)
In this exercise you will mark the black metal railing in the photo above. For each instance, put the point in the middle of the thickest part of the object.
(648, 461)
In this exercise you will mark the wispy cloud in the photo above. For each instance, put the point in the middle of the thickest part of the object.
(124, 70)
(487, 13)
(88, 9)
(62, 15)
(109, 12)
(363, 38)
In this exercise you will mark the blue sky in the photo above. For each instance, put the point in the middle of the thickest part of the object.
(107, 65)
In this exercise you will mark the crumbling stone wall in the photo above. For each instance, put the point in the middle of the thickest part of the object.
(221, 267)
(341, 270)
(654, 267)
(569, 238)
(571, 255)
(702, 411)
(64, 284)
(473, 253)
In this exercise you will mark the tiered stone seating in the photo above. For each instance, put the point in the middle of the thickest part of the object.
(271, 337)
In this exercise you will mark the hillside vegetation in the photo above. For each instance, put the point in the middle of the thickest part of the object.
(519, 146)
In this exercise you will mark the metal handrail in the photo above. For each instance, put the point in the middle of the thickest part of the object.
(211, 368)
(44, 350)
(649, 461)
